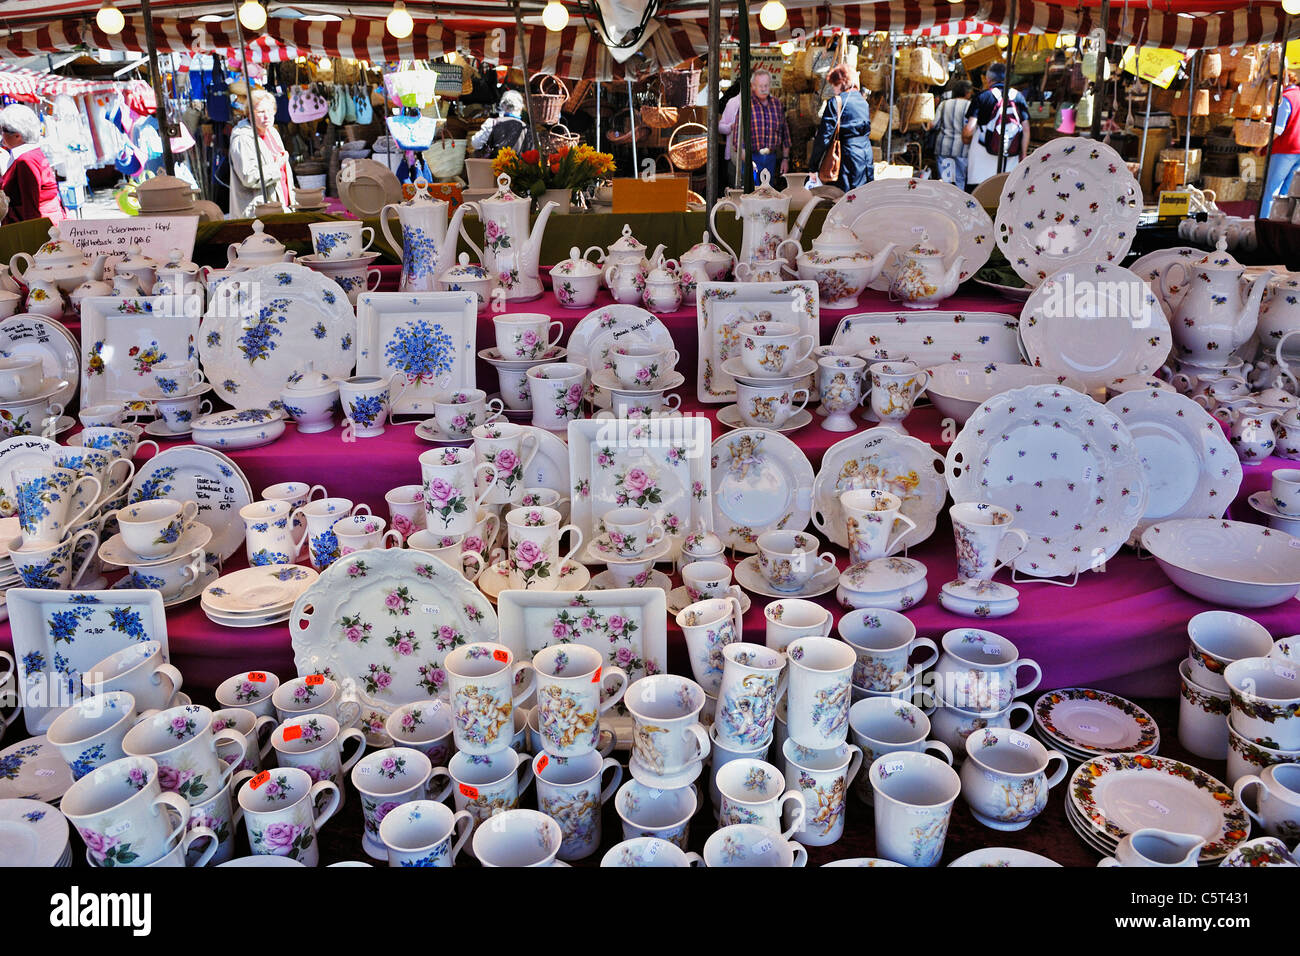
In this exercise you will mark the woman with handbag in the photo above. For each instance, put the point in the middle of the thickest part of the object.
(245, 145)
(842, 149)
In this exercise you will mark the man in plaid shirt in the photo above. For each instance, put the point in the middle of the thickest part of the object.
(770, 148)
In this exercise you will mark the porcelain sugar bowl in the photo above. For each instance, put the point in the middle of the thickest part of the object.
(576, 280)
(628, 256)
(704, 261)
(310, 397)
(468, 277)
(840, 266)
(259, 249)
(663, 289)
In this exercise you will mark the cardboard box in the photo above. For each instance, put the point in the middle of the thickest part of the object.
(661, 194)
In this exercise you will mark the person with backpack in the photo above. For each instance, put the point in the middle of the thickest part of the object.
(507, 129)
(985, 132)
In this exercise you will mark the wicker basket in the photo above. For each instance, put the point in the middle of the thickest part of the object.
(558, 137)
(692, 152)
(623, 138)
(546, 106)
(916, 109)
(680, 87)
(1162, 99)
(659, 117)
(1250, 133)
(1211, 66)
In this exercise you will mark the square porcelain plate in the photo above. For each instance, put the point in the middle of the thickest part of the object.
(722, 307)
(122, 340)
(427, 337)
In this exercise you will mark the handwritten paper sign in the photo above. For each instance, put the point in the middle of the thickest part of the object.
(155, 235)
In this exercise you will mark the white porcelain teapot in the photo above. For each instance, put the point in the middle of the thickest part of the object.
(663, 289)
(921, 281)
(626, 253)
(1217, 314)
(510, 251)
(94, 285)
(258, 249)
(428, 246)
(705, 260)
(58, 260)
(137, 264)
(840, 266)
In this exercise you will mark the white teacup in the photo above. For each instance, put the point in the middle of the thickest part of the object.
(1202, 713)
(824, 777)
(1217, 639)
(753, 791)
(256, 732)
(894, 388)
(459, 412)
(424, 726)
(486, 785)
(1005, 780)
(283, 813)
(425, 833)
(1265, 695)
(54, 567)
(123, 815)
(979, 670)
(406, 509)
(648, 851)
(630, 530)
(450, 550)
(314, 694)
(1277, 802)
(486, 683)
(788, 560)
(153, 528)
(914, 794)
(314, 744)
(140, 671)
(1285, 491)
(386, 779)
(89, 733)
(792, 618)
(178, 414)
(772, 349)
(249, 690)
(883, 725)
(952, 725)
(769, 406)
(557, 390)
(571, 682)
(182, 743)
(744, 844)
(363, 533)
(366, 401)
(341, 238)
(651, 812)
(642, 404)
(526, 336)
(818, 695)
(884, 642)
(707, 579)
(20, 377)
(642, 366)
(511, 450)
(169, 577)
(175, 379)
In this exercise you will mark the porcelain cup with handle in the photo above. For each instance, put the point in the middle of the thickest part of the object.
(449, 477)
(708, 626)
(647, 852)
(363, 533)
(1277, 800)
(340, 239)
(46, 498)
(314, 694)
(510, 449)
(642, 366)
(773, 349)
(884, 642)
(181, 741)
(249, 690)
(572, 692)
(533, 547)
(89, 733)
(320, 517)
(367, 400)
(1217, 638)
(666, 710)
(174, 379)
(298, 494)
(485, 683)
(489, 784)
(314, 743)
(221, 815)
(284, 811)
(871, 516)
(1005, 778)
(824, 777)
(460, 411)
(707, 579)
(140, 671)
(526, 336)
(663, 814)
(753, 681)
(979, 529)
(792, 618)
(518, 838)
(952, 725)
(914, 794)
(980, 670)
(769, 406)
(754, 791)
(256, 731)
(558, 389)
(153, 528)
(788, 560)
(1265, 699)
(406, 509)
(450, 550)
(20, 377)
(269, 537)
(883, 725)
(425, 833)
(424, 726)
(747, 844)
(124, 816)
(569, 791)
(388, 778)
(818, 694)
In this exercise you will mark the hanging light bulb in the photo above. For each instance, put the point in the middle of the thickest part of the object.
(252, 15)
(399, 22)
(787, 48)
(110, 19)
(1291, 7)
(951, 42)
(554, 17)
(772, 15)
(1002, 43)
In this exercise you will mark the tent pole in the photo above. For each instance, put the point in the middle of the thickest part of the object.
(889, 129)
(715, 65)
(1099, 78)
(1006, 87)
(1191, 102)
(164, 120)
(598, 114)
(521, 56)
(745, 143)
(631, 125)
(1277, 99)
(248, 84)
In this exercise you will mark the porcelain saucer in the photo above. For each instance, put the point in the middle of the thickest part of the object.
(667, 381)
(34, 834)
(495, 578)
(34, 770)
(729, 417)
(604, 581)
(678, 599)
(600, 551)
(749, 577)
(493, 357)
(1001, 856)
(656, 781)
(158, 429)
(245, 621)
(978, 598)
(428, 430)
(152, 393)
(115, 552)
(735, 367)
(1261, 501)
(191, 591)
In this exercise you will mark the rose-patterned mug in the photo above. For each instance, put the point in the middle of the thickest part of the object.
(569, 792)
(122, 813)
(533, 548)
(181, 742)
(424, 726)
(386, 779)
(557, 390)
(461, 411)
(525, 336)
(221, 815)
(249, 691)
(485, 682)
(450, 550)
(425, 833)
(571, 696)
(314, 694)
(283, 813)
(406, 509)
(257, 736)
(449, 476)
(315, 744)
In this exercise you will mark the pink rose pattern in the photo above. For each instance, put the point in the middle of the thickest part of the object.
(528, 559)
(568, 401)
(444, 500)
(282, 839)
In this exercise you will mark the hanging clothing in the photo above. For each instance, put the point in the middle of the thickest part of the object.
(31, 187)
(245, 187)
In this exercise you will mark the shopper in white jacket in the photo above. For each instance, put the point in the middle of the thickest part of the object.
(245, 184)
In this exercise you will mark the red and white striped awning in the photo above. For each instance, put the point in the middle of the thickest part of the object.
(27, 82)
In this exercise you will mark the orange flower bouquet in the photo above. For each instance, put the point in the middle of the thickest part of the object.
(570, 168)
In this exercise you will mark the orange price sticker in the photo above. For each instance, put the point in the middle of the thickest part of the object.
(468, 791)
(502, 656)
(542, 762)
(293, 733)
(595, 678)
(260, 779)
(312, 680)
(257, 677)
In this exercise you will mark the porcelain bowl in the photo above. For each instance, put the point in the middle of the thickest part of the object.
(312, 410)
(895, 584)
(840, 279)
(1229, 563)
(958, 388)
(225, 430)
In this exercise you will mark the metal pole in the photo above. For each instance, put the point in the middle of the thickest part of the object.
(248, 85)
(164, 121)
(1006, 89)
(889, 129)
(521, 57)
(631, 121)
(1277, 99)
(745, 142)
(1191, 100)
(598, 114)
(1100, 77)
(715, 71)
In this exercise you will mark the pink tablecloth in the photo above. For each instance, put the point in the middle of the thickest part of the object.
(1123, 629)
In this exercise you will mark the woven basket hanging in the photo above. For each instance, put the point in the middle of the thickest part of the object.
(680, 87)
(691, 152)
(546, 106)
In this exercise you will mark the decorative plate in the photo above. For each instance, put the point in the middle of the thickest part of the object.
(1072, 201)
(750, 577)
(266, 323)
(1064, 465)
(1192, 470)
(722, 307)
(1095, 322)
(34, 833)
(880, 458)
(123, 339)
(933, 337)
(58, 634)
(429, 337)
(599, 331)
(203, 475)
(1230, 563)
(57, 348)
(17, 452)
(898, 211)
(657, 464)
(495, 578)
(1095, 722)
(381, 622)
(258, 591)
(1001, 856)
(1015, 293)
(761, 482)
(1119, 793)
(34, 770)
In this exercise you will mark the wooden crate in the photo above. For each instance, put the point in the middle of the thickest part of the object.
(1226, 188)
(1193, 160)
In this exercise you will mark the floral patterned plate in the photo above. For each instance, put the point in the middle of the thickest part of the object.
(932, 337)
(258, 591)
(57, 634)
(133, 581)
(1116, 794)
(723, 306)
(598, 331)
(1089, 721)
(34, 770)
(34, 833)
(429, 337)
(604, 581)
(204, 475)
(270, 321)
(657, 464)
(57, 348)
(381, 622)
(122, 339)
(495, 579)
(761, 481)
(861, 861)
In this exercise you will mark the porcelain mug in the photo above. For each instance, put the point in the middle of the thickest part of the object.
(518, 838)
(884, 642)
(424, 726)
(450, 550)
(1202, 716)
(642, 366)
(1246, 755)
(298, 494)
(753, 791)
(792, 618)
(722, 753)
(708, 626)
(100, 465)
(745, 844)
(870, 516)
(46, 499)
(668, 736)
(425, 833)
(483, 536)
(314, 694)
(914, 794)
(772, 349)
(979, 529)
(256, 732)
(533, 548)
(557, 389)
(753, 680)
(952, 725)
(571, 696)
(459, 412)
(569, 792)
(366, 401)
(631, 530)
(769, 406)
(510, 449)
(483, 680)
(1005, 781)
(268, 535)
(340, 239)
(1265, 695)
(320, 516)
(516, 388)
(488, 785)
(21, 377)
(220, 815)
(283, 813)
(978, 670)
(788, 560)
(250, 690)
(526, 336)
(364, 533)
(388, 778)
(1277, 803)
(883, 725)
(707, 579)
(89, 733)
(839, 385)
(648, 852)
(406, 509)
(1285, 491)
(314, 744)
(153, 528)
(651, 812)
(176, 379)
(894, 388)
(140, 671)
(448, 486)
(1217, 639)
(123, 815)
(182, 743)
(824, 778)
(818, 695)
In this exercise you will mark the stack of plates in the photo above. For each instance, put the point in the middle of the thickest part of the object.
(1111, 797)
(256, 597)
(33, 769)
(33, 833)
(1083, 723)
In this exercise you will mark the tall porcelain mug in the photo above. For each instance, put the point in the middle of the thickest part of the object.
(511, 450)
(315, 744)
(320, 516)
(425, 833)
(1265, 700)
(818, 694)
(89, 733)
(46, 497)
(883, 725)
(182, 743)
(571, 696)
(979, 529)
(666, 710)
(486, 683)
(709, 626)
(753, 681)
(123, 815)
(140, 671)
(533, 548)
(792, 618)
(569, 792)
(314, 694)
(283, 813)
(448, 477)
(871, 516)
(557, 389)
(914, 794)
(824, 776)
(268, 535)
(518, 838)
(979, 670)
(386, 779)
(1004, 779)
(1277, 801)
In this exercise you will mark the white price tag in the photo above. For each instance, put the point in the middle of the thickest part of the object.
(435, 706)
(738, 499)
(1159, 807)
(118, 828)
(1087, 473)
(45, 773)
(894, 767)
(430, 609)
(365, 771)
(963, 373)
(1022, 744)
(763, 847)
(1089, 728)
(1293, 543)
(992, 649)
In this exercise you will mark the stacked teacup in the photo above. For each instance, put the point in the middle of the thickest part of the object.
(980, 529)
(1208, 725)
(27, 397)
(524, 340)
(177, 393)
(636, 378)
(631, 540)
(162, 547)
(340, 251)
(772, 374)
(57, 523)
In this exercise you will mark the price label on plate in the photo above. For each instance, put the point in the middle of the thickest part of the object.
(430, 608)
(314, 680)
(1089, 729)
(1158, 807)
(45, 773)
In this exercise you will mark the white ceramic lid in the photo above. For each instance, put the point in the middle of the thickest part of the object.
(924, 249)
(704, 249)
(465, 270)
(307, 379)
(627, 243)
(882, 574)
(576, 265)
(56, 251)
(259, 247)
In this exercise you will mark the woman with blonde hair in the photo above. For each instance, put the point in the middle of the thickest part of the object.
(253, 135)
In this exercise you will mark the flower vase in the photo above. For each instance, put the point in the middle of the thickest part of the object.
(563, 197)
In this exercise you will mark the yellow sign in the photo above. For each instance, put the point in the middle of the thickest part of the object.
(1153, 65)
(1293, 53)
(1175, 204)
